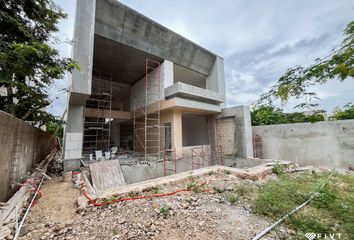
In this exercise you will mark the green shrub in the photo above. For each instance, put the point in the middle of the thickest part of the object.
(165, 211)
(231, 198)
(278, 168)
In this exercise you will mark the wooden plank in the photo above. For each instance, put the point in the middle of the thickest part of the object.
(15, 199)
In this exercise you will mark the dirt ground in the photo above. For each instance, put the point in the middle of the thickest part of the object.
(57, 205)
(187, 215)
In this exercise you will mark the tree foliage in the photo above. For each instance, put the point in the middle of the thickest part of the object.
(56, 129)
(28, 62)
(269, 115)
(346, 113)
(339, 64)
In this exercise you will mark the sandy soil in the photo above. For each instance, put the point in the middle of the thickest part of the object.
(57, 205)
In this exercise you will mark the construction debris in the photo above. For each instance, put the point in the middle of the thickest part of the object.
(12, 211)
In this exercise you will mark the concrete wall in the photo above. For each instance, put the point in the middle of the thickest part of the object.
(143, 172)
(36, 144)
(216, 79)
(324, 144)
(238, 140)
(82, 52)
(138, 90)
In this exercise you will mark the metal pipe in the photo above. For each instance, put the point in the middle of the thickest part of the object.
(265, 231)
(268, 229)
(27, 211)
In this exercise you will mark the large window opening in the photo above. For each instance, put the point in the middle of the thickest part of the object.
(194, 130)
(184, 75)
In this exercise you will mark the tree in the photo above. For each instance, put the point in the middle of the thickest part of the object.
(56, 129)
(346, 113)
(28, 62)
(269, 115)
(339, 64)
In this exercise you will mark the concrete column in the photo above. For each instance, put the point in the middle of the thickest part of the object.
(82, 52)
(166, 75)
(74, 130)
(177, 131)
(243, 129)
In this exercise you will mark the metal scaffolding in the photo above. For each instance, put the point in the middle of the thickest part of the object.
(147, 139)
(169, 156)
(97, 130)
(198, 157)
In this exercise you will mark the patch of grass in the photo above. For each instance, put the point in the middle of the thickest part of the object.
(332, 210)
(227, 172)
(133, 194)
(231, 198)
(218, 190)
(194, 187)
(242, 189)
(154, 190)
(191, 185)
(278, 168)
(211, 173)
(114, 231)
(165, 211)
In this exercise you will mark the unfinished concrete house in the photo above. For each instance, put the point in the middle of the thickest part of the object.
(143, 89)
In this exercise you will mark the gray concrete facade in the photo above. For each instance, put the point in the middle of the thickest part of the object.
(114, 38)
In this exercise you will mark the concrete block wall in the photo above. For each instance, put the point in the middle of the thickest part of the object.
(227, 131)
(324, 144)
(237, 136)
(36, 144)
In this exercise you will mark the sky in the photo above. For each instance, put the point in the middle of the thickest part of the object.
(258, 40)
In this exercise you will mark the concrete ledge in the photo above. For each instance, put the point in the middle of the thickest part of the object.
(192, 92)
(255, 173)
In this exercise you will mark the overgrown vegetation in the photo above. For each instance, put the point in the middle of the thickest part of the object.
(268, 115)
(346, 113)
(278, 168)
(332, 211)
